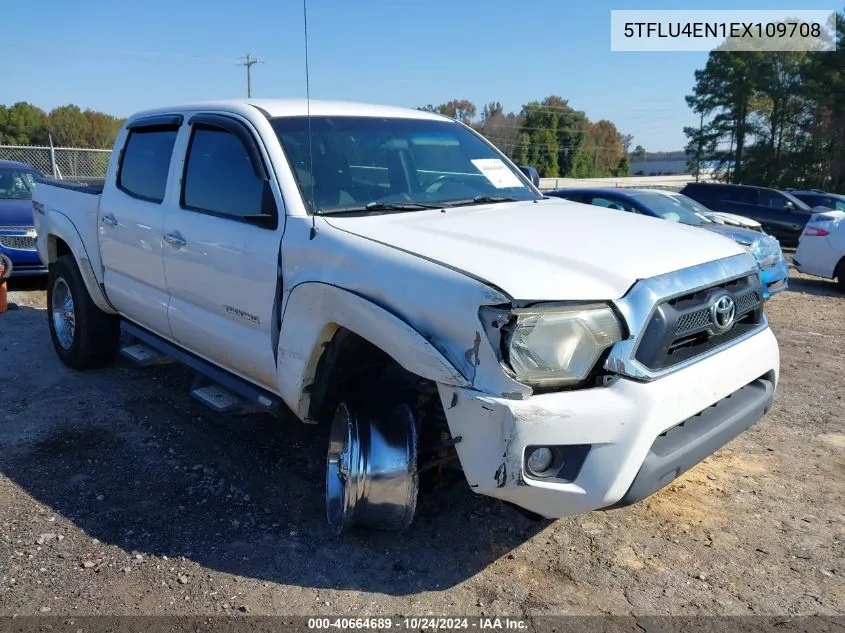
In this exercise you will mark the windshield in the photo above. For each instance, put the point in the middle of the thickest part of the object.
(375, 164)
(16, 183)
(690, 204)
(669, 208)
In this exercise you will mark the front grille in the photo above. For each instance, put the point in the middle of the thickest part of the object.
(746, 302)
(683, 327)
(18, 242)
(693, 321)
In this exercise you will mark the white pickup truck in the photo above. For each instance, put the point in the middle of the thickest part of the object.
(391, 275)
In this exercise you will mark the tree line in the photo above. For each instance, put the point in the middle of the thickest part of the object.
(772, 118)
(557, 139)
(68, 126)
(549, 134)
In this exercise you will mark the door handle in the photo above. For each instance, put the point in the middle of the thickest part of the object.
(173, 238)
(110, 220)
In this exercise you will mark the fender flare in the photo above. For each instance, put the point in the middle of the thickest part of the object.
(314, 311)
(62, 228)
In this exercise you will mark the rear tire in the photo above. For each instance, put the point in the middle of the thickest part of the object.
(5, 268)
(840, 275)
(84, 336)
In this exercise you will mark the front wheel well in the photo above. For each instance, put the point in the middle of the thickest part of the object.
(839, 274)
(347, 363)
(56, 247)
(354, 370)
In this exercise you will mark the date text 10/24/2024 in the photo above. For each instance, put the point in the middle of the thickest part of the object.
(418, 623)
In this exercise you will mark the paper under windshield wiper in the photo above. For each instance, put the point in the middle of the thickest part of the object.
(479, 200)
(382, 206)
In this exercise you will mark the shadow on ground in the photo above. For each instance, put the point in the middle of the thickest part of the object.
(128, 457)
(818, 287)
(26, 284)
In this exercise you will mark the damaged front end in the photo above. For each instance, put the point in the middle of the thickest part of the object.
(607, 380)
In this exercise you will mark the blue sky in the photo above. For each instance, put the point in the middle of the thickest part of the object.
(103, 56)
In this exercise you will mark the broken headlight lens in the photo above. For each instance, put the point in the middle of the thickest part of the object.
(556, 347)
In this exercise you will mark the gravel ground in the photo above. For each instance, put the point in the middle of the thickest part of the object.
(121, 495)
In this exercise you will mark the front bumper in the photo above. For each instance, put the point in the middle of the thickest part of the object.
(25, 261)
(775, 279)
(619, 425)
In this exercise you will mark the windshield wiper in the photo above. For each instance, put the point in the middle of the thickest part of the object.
(480, 200)
(381, 206)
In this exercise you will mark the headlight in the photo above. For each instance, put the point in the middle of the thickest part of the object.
(557, 346)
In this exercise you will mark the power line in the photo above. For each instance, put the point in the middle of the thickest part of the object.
(249, 62)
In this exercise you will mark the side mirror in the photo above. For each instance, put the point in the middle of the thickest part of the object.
(531, 172)
(789, 206)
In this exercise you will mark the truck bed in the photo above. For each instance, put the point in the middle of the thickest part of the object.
(78, 202)
(83, 185)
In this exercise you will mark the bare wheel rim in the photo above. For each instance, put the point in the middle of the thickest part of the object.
(64, 317)
(371, 474)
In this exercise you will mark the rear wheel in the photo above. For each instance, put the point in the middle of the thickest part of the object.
(84, 336)
(840, 275)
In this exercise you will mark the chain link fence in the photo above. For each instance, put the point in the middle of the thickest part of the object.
(61, 162)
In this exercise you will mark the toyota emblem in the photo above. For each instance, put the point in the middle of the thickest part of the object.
(723, 312)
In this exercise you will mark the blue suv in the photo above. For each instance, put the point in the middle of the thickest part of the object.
(17, 228)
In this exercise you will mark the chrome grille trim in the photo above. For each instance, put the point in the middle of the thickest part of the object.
(639, 304)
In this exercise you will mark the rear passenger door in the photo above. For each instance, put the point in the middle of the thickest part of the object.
(741, 201)
(131, 222)
(221, 261)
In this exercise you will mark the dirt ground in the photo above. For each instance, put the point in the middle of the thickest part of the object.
(119, 494)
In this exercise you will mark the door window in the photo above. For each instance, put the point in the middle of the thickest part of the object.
(146, 162)
(772, 199)
(741, 195)
(219, 178)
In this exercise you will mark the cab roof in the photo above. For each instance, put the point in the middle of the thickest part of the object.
(273, 108)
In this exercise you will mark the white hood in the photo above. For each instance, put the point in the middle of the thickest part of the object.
(549, 250)
(733, 219)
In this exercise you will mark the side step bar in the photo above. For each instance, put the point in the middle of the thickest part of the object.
(216, 388)
(144, 355)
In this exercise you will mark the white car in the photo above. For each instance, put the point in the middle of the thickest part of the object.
(734, 220)
(821, 247)
(715, 216)
(388, 273)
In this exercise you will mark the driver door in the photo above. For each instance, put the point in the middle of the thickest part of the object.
(782, 222)
(221, 262)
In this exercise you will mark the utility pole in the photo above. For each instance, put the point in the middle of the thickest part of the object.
(731, 163)
(700, 142)
(249, 62)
